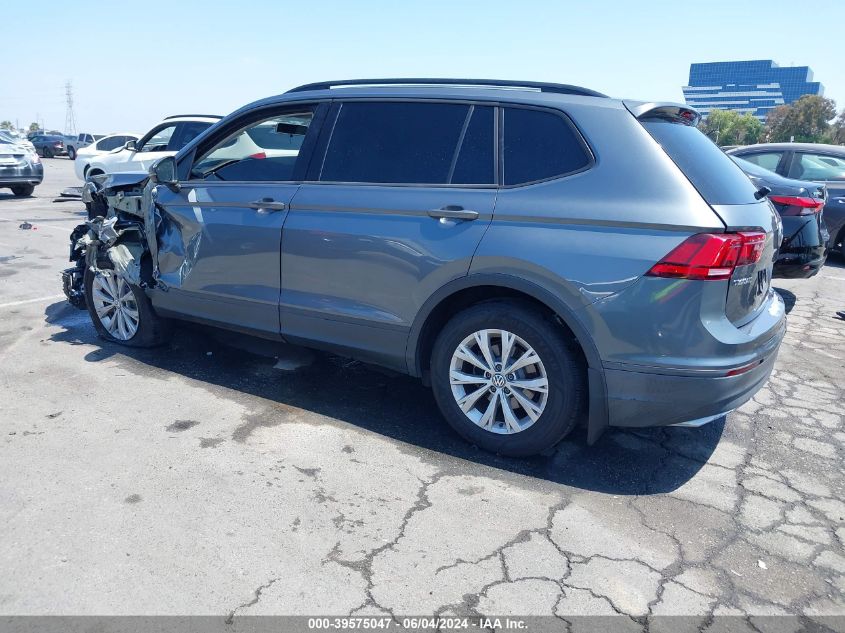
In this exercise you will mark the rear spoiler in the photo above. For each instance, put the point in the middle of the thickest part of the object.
(675, 112)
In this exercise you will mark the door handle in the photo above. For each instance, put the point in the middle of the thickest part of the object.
(453, 212)
(267, 204)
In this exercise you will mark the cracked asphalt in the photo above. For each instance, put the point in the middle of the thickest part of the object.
(226, 477)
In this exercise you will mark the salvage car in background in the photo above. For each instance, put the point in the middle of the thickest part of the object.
(808, 161)
(803, 250)
(49, 145)
(111, 143)
(20, 168)
(165, 139)
(631, 291)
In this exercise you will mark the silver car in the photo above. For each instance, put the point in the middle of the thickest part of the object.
(21, 169)
(539, 254)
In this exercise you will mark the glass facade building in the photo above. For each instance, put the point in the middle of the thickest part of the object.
(751, 86)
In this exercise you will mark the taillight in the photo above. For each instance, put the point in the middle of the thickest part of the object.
(710, 256)
(802, 205)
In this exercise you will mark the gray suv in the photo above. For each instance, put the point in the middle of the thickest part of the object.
(539, 254)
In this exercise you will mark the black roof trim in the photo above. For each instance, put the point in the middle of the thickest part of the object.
(491, 83)
(206, 116)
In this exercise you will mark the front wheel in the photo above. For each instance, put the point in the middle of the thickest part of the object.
(121, 312)
(71, 153)
(507, 379)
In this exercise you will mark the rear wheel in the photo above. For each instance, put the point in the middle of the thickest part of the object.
(506, 378)
(22, 191)
(121, 312)
(48, 153)
(71, 153)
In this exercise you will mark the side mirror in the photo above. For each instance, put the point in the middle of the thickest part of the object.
(130, 145)
(163, 172)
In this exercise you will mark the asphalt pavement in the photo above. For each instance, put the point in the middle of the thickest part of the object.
(210, 477)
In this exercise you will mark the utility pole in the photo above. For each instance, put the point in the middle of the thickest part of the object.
(70, 120)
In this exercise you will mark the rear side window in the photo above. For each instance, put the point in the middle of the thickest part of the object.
(718, 179)
(108, 144)
(766, 160)
(538, 145)
(475, 159)
(410, 143)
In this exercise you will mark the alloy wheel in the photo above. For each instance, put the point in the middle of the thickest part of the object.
(499, 381)
(115, 305)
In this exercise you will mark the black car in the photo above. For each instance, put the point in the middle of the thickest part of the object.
(813, 162)
(49, 145)
(800, 203)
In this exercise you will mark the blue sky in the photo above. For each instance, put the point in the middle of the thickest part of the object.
(133, 62)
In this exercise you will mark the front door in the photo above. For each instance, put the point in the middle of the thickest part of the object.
(220, 235)
(403, 194)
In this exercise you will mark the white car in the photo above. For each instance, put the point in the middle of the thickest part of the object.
(111, 143)
(165, 139)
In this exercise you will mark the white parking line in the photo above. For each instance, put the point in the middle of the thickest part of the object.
(22, 302)
(832, 277)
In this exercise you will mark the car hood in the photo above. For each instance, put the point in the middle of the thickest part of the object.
(119, 180)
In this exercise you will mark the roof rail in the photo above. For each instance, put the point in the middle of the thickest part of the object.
(206, 116)
(491, 83)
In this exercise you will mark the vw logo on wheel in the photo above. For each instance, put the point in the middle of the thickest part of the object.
(498, 380)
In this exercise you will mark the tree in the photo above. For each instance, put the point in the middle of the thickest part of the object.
(6, 125)
(728, 127)
(805, 121)
(836, 134)
(34, 127)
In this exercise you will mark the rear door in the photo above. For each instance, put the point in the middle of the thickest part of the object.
(399, 197)
(730, 193)
(220, 233)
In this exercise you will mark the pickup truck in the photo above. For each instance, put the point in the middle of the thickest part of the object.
(75, 143)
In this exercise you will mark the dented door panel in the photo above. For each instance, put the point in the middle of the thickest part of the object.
(219, 253)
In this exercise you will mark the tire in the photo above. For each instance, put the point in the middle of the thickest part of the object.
(151, 329)
(23, 191)
(559, 364)
(48, 153)
(71, 153)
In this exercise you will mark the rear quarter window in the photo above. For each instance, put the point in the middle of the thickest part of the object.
(538, 145)
(716, 177)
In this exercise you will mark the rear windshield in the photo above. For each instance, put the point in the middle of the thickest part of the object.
(718, 179)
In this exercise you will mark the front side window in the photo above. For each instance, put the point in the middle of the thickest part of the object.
(538, 145)
(266, 150)
(817, 167)
(766, 160)
(157, 142)
(410, 143)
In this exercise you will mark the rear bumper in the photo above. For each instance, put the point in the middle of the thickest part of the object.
(640, 398)
(799, 263)
(21, 175)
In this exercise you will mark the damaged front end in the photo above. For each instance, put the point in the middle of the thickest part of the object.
(117, 238)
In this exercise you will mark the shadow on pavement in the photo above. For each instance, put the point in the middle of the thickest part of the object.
(788, 298)
(641, 462)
